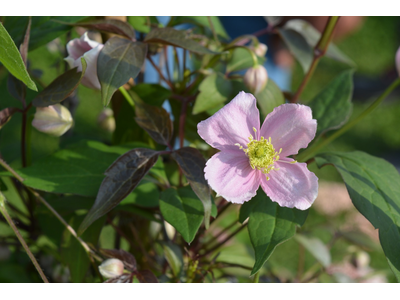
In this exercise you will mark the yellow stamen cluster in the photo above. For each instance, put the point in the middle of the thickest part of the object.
(261, 153)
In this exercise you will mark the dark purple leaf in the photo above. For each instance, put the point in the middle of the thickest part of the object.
(5, 115)
(127, 258)
(121, 178)
(16, 88)
(146, 276)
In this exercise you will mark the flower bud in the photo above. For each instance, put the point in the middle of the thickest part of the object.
(256, 79)
(54, 119)
(89, 50)
(111, 268)
(106, 120)
(398, 61)
(260, 50)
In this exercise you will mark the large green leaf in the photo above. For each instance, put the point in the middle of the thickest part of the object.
(241, 59)
(118, 61)
(270, 225)
(204, 22)
(332, 106)
(269, 98)
(139, 23)
(192, 163)
(214, 90)
(12, 60)
(374, 188)
(178, 38)
(183, 210)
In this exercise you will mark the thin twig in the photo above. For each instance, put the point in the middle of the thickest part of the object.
(160, 73)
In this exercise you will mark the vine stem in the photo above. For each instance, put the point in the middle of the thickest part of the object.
(160, 73)
(315, 148)
(319, 51)
(4, 212)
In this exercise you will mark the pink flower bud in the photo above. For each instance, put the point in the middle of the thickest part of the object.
(111, 268)
(260, 50)
(256, 79)
(54, 120)
(89, 50)
(398, 61)
(106, 120)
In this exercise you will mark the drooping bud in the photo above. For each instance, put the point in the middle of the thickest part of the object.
(111, 268)
(89, 50)
(398, 61)
(260, 50)
(256, 79)
(54, 120)
(106, 120)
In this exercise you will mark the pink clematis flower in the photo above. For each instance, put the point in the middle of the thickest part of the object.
(250, 156)
(89, 50)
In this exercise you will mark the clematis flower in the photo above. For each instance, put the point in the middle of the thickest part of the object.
(256, 79)
(89, 50)
(250, 156)
(54, 120)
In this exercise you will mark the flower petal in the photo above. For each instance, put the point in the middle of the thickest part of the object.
(230, 175)
(293, 185)
(231, 124)
(290, 127)
(90, 78)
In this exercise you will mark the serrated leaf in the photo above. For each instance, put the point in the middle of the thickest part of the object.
(183, 210)
(192, 163)
(269, 98)
(154, 119)
(121, 178)
(298, 46)
(241, 59)
(6, 114)
(178, 38)
(271, 225)
(374, 188)
(118, 61)
(312, 37)
(316, 247)
(174, 257)
(61, 87)
(214, 90)
(12, 60)
(127, 258)
(146, 276)
(204, 22)
(332, 106)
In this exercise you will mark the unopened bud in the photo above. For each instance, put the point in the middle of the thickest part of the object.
(260, 50)
(398, 61)
(106, 120)
(362, 259)
(111, 268)
(256, 79)
(54, 120)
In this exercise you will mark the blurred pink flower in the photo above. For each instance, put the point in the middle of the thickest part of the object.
(250, 156)
(398, 61)
(89, 50)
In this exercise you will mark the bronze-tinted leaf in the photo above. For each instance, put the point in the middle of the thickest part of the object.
(5, 115)
(124, 278)
(146, 276)
(192, 164)
(127, 258)
(173, 37)
(61, 87)
(118, 61)
(16, 88)
(155, 120)
(121, 178)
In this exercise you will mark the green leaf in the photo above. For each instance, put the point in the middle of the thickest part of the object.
(139, 23)
(178, 38)
(332, 106)
(61, 87)
(241, 59)
(121, 178)
(214, 90)
(312, 37)
(298, 46)
(118, 61)
(12, 60)
(174, 257)
(183, 210)
(269, 98)
(374, 188)
(146, 194)
(316, 247)
(6, 114)
(154, 119)
(152, 94)
(192, 163)
(269, 226)
(202, 21)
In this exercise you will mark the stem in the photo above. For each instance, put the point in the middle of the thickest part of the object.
(214, 238)
(127, 96)
(166, 63)
(319, 51)
(256, 277)
(20, 238)
(213, 31)
(23, 138)
(315, 148)
(160, 73)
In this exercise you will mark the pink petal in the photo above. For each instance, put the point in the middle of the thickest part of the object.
(230, 175)
(293, 185)
(231, 124)
(90, 78)
(290, 127)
